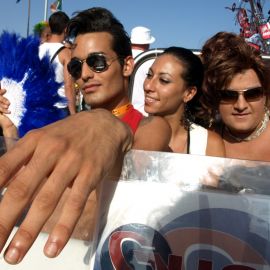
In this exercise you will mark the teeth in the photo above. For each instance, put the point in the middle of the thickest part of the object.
(149, 99)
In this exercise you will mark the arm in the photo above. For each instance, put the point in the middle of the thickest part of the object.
(215, 145)
(64, 57)
(78, 151)
(153, 134)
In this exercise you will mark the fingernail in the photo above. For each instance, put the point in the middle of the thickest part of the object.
(12, 256)
(51, 249)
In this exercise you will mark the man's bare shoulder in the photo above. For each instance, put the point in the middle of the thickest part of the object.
(153, 133)
(65, 55)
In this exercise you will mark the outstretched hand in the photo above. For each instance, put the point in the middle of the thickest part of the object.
(78, 151)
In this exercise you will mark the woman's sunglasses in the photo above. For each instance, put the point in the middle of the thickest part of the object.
(231, 96)
(97, 62)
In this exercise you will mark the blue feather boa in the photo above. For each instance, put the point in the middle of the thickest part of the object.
(19, 61)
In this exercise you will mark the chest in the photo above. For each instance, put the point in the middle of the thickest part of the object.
(252, 150)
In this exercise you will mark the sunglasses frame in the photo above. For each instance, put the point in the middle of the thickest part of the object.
(81, 61)
(234, 98)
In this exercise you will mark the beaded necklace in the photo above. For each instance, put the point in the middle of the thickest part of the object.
(259, 130)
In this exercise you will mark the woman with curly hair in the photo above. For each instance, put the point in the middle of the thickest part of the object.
(236, 93)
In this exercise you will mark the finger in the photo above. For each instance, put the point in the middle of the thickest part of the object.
(42, 207)
(72, 211)
(20, 191)
(24, 149)
(4, 102)
(15, 158)
(4, 109)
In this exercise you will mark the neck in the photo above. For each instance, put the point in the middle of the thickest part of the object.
(56, 38)
(256, 133)
(174, 119)
(114, 102)
(122, 110)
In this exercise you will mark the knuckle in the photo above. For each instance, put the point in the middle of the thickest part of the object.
(45, 201)
(34, 134)
(25, 234)
(3, 231)
(74, 156)
(65, 230)
(55, 145)
(18, 191)
(4, 170)
(76, 203)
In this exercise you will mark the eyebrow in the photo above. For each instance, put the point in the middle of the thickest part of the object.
(160, 73)
(251, 87)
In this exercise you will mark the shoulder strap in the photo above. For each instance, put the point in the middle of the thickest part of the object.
(56, 53)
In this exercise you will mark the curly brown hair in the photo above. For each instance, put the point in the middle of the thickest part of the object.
(224, 55)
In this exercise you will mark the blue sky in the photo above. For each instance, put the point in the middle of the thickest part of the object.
(186, 23)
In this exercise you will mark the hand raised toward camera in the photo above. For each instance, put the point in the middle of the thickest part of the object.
(78, 151)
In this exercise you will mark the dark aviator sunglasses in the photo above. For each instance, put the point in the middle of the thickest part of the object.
(97, 62)
(231, 96)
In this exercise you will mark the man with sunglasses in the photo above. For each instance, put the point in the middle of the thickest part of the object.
(236, 92)
(101, 65)
(58, 166)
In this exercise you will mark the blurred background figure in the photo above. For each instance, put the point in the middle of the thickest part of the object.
(60, 56)
(42, 30)
(141, 39)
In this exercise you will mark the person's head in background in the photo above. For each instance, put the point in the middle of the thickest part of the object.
(236, 85)
(141, 39)
(58, 22)
(42, 31)
(173, 85)
(101, 57)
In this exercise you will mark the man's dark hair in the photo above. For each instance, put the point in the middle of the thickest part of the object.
(99, 19)
(58, 22)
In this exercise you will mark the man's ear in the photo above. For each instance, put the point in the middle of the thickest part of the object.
(128, 66)
(189, 94)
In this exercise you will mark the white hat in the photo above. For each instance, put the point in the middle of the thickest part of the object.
(141, 35)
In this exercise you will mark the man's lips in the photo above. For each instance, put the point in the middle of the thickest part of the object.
(240, 115)
(91, 87)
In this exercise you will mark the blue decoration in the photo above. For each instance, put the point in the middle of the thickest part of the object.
(21, 67)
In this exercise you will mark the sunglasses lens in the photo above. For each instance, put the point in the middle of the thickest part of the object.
(97, 62)
(75, 68)
(228, 96)
(253, 94)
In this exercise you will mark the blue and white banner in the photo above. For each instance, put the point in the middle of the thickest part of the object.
(170, 212)
(183, 212)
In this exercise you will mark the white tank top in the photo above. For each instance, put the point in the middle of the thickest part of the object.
(51, 48)
(198, 140)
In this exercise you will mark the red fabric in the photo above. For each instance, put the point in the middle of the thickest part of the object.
(132, 118)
